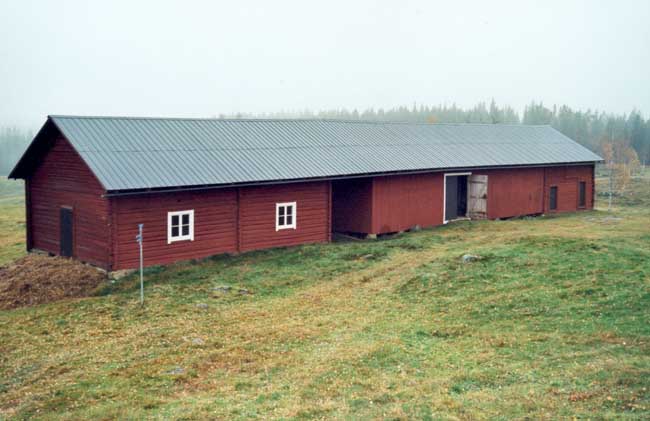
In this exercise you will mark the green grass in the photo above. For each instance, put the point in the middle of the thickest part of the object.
(552, 322)
(12, 220)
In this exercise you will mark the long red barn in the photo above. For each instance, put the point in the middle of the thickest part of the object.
(206, 186)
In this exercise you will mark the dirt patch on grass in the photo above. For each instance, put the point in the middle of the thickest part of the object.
(37, 279)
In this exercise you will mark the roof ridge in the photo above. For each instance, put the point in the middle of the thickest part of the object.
(318, 120)
(290, 149)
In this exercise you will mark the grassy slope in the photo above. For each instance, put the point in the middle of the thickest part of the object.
(553, 322)
(12, 220)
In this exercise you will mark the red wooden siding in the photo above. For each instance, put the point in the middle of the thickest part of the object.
(352, 205)
(257, 215)
(566, 179)
(403, 201)
(242, 219)
(514, 192)
(217, 216)
(215, 226)
(63, 179)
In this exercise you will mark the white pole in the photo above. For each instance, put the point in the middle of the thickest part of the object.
(139, 238)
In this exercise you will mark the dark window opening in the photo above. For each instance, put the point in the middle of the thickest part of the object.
(582, 194)
(553, 201)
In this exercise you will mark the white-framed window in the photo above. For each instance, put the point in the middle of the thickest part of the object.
(180, 226)
(285, 216)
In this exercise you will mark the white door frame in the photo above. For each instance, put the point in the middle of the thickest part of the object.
(444, 193)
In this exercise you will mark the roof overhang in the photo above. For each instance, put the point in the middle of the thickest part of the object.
(134, 192)
(37, 147)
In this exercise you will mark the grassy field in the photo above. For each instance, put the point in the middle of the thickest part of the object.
(12, 220)
(552, 322)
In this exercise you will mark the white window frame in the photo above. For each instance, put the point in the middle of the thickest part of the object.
(279, 227)
(180, 237)
(444, 195)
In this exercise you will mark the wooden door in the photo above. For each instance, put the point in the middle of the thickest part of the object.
(66, 223)
(478, 191)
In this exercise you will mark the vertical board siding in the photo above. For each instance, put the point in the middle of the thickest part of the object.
(514, 192)
(257, 215)
(566, 179)
(352, 205)
(63, 179)
(215, 226)
(403, 201)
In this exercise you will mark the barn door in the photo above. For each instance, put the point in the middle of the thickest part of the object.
(66, 221)
(478, 189)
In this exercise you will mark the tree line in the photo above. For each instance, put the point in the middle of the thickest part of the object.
(593, 129)
(13, 142)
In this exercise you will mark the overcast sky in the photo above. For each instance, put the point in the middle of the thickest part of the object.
(191, 58)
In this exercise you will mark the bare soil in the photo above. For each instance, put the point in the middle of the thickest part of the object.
(37, 279)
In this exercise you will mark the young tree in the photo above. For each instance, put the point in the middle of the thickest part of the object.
(622, 162)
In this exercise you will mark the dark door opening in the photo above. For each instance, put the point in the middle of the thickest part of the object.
(582, 194)
(455, 197)
(66, 222)
(553, 198)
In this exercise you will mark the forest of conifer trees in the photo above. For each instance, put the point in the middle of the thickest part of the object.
(592, 129)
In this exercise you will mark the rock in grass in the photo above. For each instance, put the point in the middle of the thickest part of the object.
(244, 291)
(202, 306)
(222, 288)
(176, 371)
(198, 341)
(468, 258)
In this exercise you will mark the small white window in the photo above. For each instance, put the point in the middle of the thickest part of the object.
(180, 226)
(285, 216)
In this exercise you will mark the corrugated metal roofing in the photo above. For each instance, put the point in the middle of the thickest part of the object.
(142, 153)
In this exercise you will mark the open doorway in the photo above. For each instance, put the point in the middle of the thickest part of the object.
(456, 196)
(465, 196)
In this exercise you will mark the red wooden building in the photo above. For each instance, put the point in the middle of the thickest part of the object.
(205, 187)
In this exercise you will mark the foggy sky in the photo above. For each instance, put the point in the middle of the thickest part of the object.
(192, 58)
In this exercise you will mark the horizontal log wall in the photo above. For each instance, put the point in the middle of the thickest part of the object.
(215, 226)
(257, 215)
(217, 216)
(63, 179)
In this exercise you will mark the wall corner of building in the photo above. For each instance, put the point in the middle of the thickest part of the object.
(373, 206)
(112, 262)
(29, 240)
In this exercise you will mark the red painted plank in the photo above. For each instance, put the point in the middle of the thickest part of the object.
(63, 179)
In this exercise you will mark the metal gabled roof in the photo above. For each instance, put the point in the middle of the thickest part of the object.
(127, 153)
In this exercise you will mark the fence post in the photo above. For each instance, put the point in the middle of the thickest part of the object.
(139, 239)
